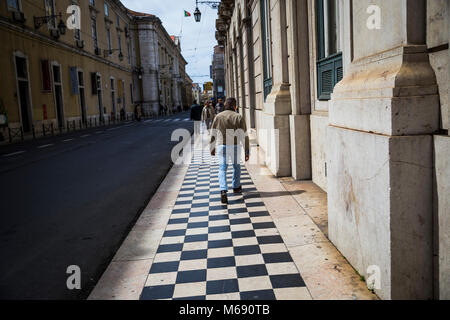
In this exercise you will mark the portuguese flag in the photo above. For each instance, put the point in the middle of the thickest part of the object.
(187, 14)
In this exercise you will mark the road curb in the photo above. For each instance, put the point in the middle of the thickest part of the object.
(126, 274)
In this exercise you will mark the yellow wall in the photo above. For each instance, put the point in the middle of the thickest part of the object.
(37, 45)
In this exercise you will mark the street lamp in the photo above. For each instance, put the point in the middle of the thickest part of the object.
(198, 14)
(39, 21)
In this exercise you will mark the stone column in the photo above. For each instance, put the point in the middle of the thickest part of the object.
(380, 153)
(148, 39)
(277, 107)
(298, 48)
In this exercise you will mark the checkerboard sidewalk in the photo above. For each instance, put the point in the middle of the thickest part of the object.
(221, 252)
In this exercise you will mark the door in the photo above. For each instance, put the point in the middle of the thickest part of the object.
(23, 88)
(113, 97)
(82, 96)
(59, 104)
(124, 100)
(99, 96)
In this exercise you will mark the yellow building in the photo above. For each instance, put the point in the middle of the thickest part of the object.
(61, 77)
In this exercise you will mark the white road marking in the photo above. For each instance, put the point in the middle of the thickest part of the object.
(67, 140)
(98, 132)
(45, 146)
(13, 153)
(84, 136)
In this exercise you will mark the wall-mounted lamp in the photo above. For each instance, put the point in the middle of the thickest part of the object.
(39, 21)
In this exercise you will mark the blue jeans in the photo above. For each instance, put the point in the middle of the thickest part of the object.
(229, 155)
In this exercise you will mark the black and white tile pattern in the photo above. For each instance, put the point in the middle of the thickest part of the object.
(220, 252)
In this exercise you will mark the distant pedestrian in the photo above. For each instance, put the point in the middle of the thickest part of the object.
(228, 148)
(122, 114)
(208, 115)
(196, 112)
(220, 107)
(196, 115)
(138, 112)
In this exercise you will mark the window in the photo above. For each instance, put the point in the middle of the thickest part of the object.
(106, 10)
(118, 21)
(119, 41)
(129, 51)
(329, 64)
(77, 34)
(267, 47)
(50, 11)
(94, 32)
(108, 39)
(46, 78)
(92, 3)
(14, 5)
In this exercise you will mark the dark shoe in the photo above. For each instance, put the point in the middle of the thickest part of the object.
(238, 190)
(224, 197)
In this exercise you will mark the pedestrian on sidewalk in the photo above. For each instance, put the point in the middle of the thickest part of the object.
(138, 112)
(220, 106)
(208, 115)
(229, 133)
(196, 116)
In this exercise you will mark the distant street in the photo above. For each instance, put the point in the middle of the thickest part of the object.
(71, 200)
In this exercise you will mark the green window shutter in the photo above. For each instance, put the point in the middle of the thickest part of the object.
(329, 69)
(329, 73)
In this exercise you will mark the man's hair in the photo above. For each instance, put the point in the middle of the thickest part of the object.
(230, 104)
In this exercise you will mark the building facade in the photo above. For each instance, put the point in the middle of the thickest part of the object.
(354, 95)
(60, 73)
(187, 92)
(50, 77)
(197, 93)
(218, 72)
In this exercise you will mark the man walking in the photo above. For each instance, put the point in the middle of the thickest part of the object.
(229, 131)
(208, 115)
(220, 106)
(138, 112)
(196, 115)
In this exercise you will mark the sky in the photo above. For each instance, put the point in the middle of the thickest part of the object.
(197, 39)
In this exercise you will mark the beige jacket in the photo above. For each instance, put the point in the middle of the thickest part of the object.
(229, 120)
(208, 113)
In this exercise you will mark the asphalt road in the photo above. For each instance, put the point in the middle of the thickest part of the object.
(72, 199)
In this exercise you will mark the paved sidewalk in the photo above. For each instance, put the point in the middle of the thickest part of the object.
(263, 245)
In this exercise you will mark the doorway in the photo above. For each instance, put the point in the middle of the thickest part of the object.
(82, 96)
(100, 98)
(113, 97)
(57, 86)
(23, 92)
